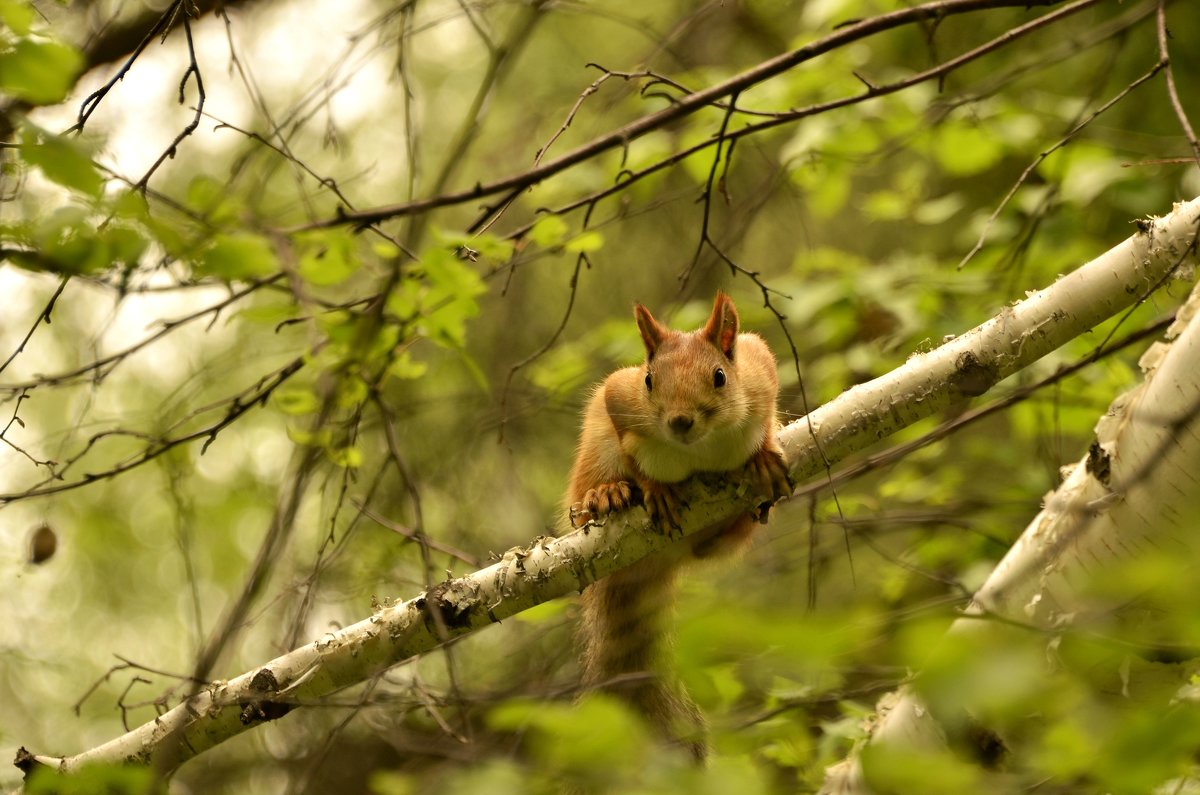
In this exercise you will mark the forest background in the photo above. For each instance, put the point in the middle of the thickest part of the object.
(302, 300)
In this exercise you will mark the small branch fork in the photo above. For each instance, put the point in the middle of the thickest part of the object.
(93, 100)
(193, 69)
(179, 10)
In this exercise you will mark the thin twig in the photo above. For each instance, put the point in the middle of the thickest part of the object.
(1165, 59)
(580, 261)
(43, 317)
(93, 100)
(193, 69)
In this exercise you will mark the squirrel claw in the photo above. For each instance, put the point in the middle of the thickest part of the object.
(601, 501)
(663, 505)
(769, 474)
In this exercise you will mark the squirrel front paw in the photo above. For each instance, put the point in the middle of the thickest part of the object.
(663, 504)
(601, 501)
(768, 472)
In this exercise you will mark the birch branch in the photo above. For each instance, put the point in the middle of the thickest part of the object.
(548, 568)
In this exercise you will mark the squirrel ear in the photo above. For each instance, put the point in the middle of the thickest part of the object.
(653, 332)
(722, 327)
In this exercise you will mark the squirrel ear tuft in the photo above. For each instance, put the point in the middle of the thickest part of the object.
(653, 333)
(722, 327)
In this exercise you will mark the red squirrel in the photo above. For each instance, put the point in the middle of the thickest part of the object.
(703, 401)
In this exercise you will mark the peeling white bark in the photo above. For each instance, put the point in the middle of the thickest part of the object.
(548, 568)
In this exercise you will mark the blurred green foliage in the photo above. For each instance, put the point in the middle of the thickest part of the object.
(97, 780)
(440, 373)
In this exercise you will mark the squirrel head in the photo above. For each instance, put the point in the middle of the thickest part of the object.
(691, 378)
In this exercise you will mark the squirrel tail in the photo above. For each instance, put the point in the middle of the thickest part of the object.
(625, 633)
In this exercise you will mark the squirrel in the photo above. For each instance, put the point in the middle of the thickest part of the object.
(703, 401)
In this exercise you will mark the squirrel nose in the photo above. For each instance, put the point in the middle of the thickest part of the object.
(681, 423)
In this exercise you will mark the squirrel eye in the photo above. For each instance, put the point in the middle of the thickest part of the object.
(718, 377)
(649, 381)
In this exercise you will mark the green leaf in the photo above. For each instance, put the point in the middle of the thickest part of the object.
(204, 192)
(552, 611)
(212, 198)
(725, 683)
(391, 782)
(348, 457)
(549, 231)
(450, 298)
(168, 234)
(130, 204)
(297, 400)
(341, 327)
(18, 15)
(404, 300)
(318, 438)
(888, 769)
(1090, 171)
(407, 368)
(63, 160)
(817, 14)
(964, 150)
(886, 205)
(39, 72)
(826, 185)
(327, 258)
(384, 250)
(352, 391)
(92, 779)
(487, 246)
(270, 314)
(587, 241)
(238, 256)
(494, 248)
(699, 165)
(595, 733)
(562, 369)
(125, 245)
(939, 210)
(68, 242)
